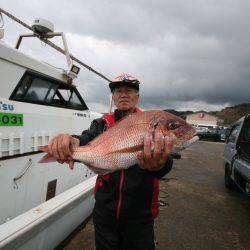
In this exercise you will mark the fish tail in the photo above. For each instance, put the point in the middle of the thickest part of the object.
(44, 148)
(48, 157)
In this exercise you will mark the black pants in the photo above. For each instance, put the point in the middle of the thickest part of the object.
(121, 235)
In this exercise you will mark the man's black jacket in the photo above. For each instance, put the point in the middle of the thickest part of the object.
(125, 194)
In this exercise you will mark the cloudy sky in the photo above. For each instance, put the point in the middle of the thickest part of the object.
(188, 54)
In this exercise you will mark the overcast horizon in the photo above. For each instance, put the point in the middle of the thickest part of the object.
(188, 55)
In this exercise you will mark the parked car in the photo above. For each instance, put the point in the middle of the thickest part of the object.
(237, 156)
(209, 133)
(201, 131)
(224, 133)
(212, 134)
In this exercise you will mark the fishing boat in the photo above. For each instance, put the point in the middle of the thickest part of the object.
(40, 204)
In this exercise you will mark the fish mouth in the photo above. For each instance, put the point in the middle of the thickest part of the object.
(185, 144)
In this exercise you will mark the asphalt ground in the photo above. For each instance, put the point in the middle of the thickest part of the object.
(197, 211)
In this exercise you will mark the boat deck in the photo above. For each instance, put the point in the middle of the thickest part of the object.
(199, 213)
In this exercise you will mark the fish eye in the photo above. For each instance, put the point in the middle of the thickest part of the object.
(173, 124)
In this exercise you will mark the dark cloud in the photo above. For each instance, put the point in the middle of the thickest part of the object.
(192, 54)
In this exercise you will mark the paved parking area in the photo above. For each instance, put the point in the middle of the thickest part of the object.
(199, 213)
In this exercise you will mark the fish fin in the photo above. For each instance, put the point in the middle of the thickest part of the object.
(185, 144)
(190, 142)
(99, 171)
(47, 158)
(128, 150)
(43, 148)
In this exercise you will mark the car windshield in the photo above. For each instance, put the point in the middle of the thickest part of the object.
(201, 129)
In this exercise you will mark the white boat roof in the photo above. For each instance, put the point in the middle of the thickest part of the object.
(19, 58)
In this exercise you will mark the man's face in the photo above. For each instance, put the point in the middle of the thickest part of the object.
(125, 97)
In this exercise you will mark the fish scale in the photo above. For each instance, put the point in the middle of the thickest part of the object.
(118, 147)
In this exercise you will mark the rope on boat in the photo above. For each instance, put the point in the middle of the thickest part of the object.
(45, 40)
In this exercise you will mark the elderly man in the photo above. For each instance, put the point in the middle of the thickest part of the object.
(126, 200)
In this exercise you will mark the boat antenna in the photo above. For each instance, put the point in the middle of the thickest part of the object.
(45, 40)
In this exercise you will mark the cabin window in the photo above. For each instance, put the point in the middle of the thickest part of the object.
(23, 88)
(74, 101)
(67, 97)
(39, 89)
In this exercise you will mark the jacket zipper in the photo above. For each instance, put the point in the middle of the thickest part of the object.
(120, 194)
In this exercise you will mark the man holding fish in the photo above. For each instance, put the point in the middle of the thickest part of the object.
(129, 157)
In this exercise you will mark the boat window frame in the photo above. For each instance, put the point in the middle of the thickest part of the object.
(52, 81)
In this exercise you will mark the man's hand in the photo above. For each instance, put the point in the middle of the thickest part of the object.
(154, 158)
(61, 148)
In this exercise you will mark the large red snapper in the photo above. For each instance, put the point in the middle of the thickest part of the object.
(117, 147)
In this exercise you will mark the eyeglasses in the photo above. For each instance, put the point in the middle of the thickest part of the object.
(127, 91)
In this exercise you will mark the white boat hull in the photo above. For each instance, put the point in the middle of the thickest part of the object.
(44, 226)
(40, 204)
